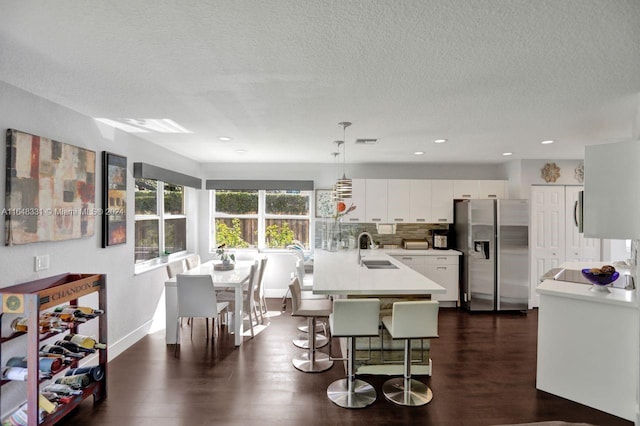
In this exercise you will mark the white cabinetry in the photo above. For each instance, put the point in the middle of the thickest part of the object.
(376, 200)
(441, 201)
(493, 189)
(445, 271)
(417, 263)
(611, 191)
(442, 269)
(399, 200)
(479, 189)
(465, 189)
(358, 198)
(420, 203)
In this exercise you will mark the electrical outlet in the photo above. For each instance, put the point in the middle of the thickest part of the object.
(42, 262)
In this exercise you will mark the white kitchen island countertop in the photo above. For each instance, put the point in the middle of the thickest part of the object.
(588, 344)
(340, 273)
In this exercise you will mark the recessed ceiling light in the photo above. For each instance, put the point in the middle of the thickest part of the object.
(225, 138)
(440, 141)
(241, 151)
(547, 142)
(418, 153)
(506, 154)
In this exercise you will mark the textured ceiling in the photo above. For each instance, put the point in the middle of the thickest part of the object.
(277, 76)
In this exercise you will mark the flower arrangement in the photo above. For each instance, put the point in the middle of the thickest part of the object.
(342, 210)
(224, 255)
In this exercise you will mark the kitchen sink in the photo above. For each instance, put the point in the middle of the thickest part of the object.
(379, 264)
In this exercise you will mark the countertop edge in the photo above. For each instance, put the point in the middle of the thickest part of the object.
(619, 297)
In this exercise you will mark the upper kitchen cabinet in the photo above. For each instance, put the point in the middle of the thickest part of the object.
(441, 201)
(376, 201)
(479, 189)
(611, 194)
(465, 189)
(492, 189)
(420, 203)
(399, 200)
(358, 199)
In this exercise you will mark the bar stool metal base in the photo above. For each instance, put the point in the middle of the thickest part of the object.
(321, 363)
(303, 342)
(416, 395)
(363, 393)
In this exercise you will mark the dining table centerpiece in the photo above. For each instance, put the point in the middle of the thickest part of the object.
(228, 259)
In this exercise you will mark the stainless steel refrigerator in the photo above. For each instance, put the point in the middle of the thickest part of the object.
(493, 236)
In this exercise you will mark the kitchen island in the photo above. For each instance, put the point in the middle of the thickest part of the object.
(340, 274)
(588, 344)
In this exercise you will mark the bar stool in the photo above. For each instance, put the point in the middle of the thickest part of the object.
(353, 318)
(311, 361)
(410, 320)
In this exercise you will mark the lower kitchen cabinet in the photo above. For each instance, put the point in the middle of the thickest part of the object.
(442, 269)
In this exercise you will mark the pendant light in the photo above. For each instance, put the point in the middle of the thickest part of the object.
(344, 185)
(334, 193)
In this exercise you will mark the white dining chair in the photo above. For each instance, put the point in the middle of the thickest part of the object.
(197, 299)
(248, 297)
(176, 267)
(261, 302)
(193, 261)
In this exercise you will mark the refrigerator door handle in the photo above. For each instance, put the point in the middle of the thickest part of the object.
(575, 213)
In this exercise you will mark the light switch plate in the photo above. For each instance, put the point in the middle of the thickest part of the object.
(42, 262)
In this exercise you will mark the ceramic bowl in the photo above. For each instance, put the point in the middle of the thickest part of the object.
(600, 279)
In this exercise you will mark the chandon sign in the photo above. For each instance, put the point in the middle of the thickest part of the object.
(71, 291)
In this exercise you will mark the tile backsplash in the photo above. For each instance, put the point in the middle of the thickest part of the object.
(403, 231)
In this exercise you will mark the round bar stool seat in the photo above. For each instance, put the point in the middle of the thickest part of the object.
(311, 361)
(353, 318)
(410, 320)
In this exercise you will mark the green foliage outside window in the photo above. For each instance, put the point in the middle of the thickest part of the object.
(231, 236)
(291, 204)
(279, 236)
(237, 202)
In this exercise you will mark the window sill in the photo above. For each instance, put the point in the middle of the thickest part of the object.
(158, 263)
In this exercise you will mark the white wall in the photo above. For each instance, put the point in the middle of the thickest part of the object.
(132, 299)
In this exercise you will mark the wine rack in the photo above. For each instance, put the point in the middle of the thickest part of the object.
(28, 300)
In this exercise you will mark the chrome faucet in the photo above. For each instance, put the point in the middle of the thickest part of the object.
(358, 242)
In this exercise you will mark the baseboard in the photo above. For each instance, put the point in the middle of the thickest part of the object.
(129, 340)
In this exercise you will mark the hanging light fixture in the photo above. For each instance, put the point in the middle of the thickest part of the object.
(344, 185)
(334, 193)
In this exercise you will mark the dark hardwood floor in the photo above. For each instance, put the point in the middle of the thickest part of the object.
(484, 374)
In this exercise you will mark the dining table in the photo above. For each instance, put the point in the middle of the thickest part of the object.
(222, 279)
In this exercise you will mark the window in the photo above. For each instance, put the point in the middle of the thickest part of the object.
(260, 218)
(160, 221)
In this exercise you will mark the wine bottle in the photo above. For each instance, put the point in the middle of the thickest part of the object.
(96, 372)
(56, 349)
(77, 381)
(75, 312)
(45, 364)
(15, 373)
(73, 347)
(62, 389)
(84, 309)
(84, 341)
(64, 316)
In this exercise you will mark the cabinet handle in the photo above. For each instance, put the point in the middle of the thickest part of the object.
(466, 195)
(441, 267)
(441, 258)
(492, 196)
(351, 219)
(442, 220)
(421, 220)
(375, 219)
(407, 258)
(398, 219)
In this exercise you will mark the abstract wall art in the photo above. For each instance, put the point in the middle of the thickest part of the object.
(114, 199)
(50, 190)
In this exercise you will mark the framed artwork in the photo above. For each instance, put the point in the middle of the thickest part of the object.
(114, 199)
(325, 206)
(50, 190)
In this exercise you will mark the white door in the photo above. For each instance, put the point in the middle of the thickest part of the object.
(577, 247)
(546, 242)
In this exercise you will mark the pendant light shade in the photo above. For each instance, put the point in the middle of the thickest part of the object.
(344, 185)
(334, 191)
